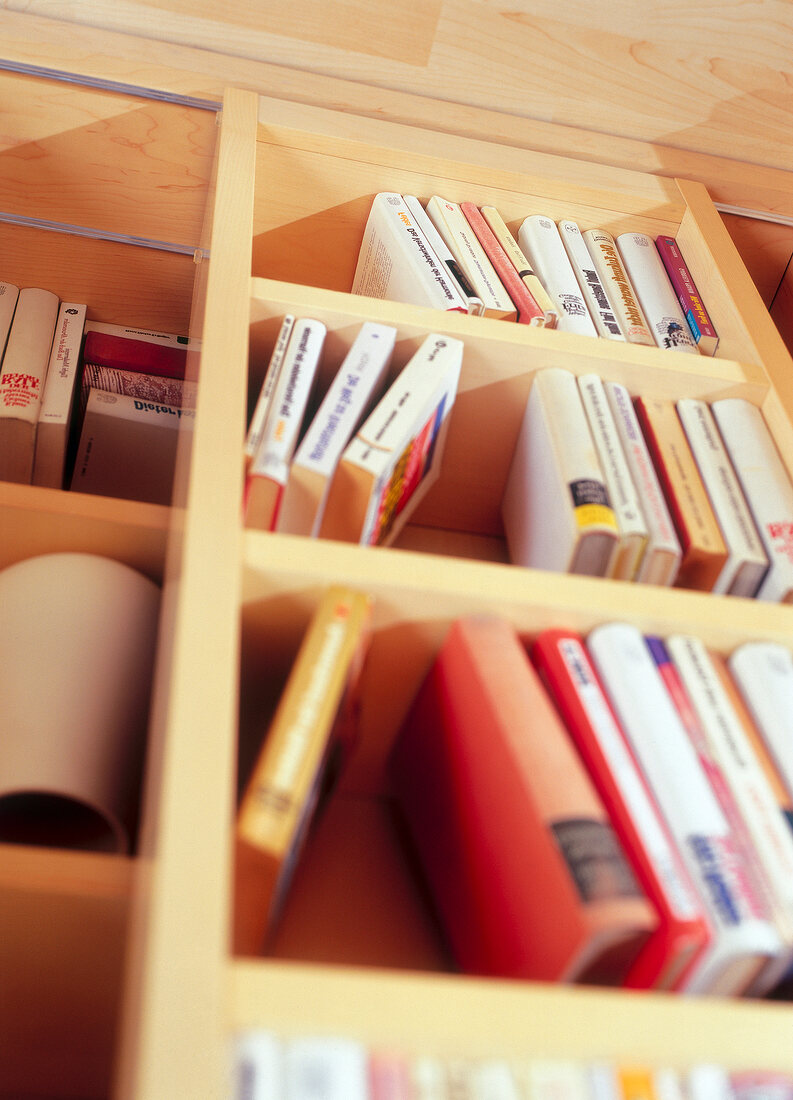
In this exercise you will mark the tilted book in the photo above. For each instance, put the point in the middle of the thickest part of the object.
(699, 322)
(262, 405)
(269, 468)
(655, 293)
(355, 386)
(521, 263)
(763, 672)
(589, 281)
(57, 403)
(556, 509)
(395, 456)
(147, 335)
(300, 751)
(746, 562)
(475, 304)
(529, 309)
(767, 487)
(539, 238)
(22, 377)
(603, 250)
(397, 262)
(524, 867)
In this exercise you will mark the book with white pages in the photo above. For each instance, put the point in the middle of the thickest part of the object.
(657, 297)
(608, 264)
(763, 673)
(539, 238)
(589, 281)
(747, 562)
(475, 304)
(256, 427)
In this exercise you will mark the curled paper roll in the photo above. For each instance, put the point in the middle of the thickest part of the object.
(77, 644)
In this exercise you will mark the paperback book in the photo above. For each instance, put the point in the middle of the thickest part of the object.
(54, 429)
(655, 293)
(539, 238)
(699, 322)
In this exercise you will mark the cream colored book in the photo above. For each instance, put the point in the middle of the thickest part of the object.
(656, 295)
(522, 266)
(589, 281)
(539, 238)
(58, 399)
(606, 258)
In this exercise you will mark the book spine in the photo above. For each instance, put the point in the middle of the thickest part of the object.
(522, 266)
(655, 293)
(475, 304)
(149, 387)
(327, 1067)
(700, 324)
(603, 250)
(258, 1066)
(529, 311)
(256, 428)
(148, 336)
(539, 238)
(763, 672)
(590, 282)
(57, 400)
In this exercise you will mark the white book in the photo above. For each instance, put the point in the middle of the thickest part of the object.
(521, 264)
(475, 304)
(258, 1066)
(397, 262)
(656, 295)
(269, 468)
(556, 508)
(661, 559)
(9, 294)
(619, 481)
(147, 335)
(22, 377)
(763, 673)
(603, 250)
(325, 1068)
(58, 399)
(589, 281)
(460, 239)
(355, 385)
(669, 1084)
(743, 942)
(604, 1082)
(395, 456)
(554, 1079)
(708, 1081)
(494, 1080)
(746, 563)
(767, 487)
(256, 427)
(539, 238)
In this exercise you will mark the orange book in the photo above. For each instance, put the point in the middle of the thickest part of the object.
(519, 854)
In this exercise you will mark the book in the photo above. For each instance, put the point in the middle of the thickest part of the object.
(539, 239)
(767, 487)
(269, 468)
(683, 930)
(694, 311)
(428, 1078)
(661, 559)
(460, 239)
(743, 941)
(708, 1081)
(261, 407)
(105, 349)
(397, 262)
(521, 263)
(589, 281)
(158, 388)
(656, 296)
(9, 295)
(763, 673)
(147, 335)
(760, 1084)
(325, 1068)
(603, 250)
(54, 426)
(633, 532)
(746, 562)
(496, 802)
(555, 1079)
(555, 507)
(22, 377)
(529, 310)
(395, 456)
(703, 551)
(389, 1076)
(127, 447)
(356, 384)
(475, 304)
(258, 1066)
(308, 739)
(494, 1080)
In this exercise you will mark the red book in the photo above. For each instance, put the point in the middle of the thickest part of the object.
(104, 350)
(529, 312)
(526, 871)
(684, 929)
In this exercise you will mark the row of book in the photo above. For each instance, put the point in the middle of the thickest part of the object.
(331, 1067)
(88, 405)
(462, 257)
(356, 467)
(685, 492)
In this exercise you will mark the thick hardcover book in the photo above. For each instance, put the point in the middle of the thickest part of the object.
(9, 295)
(355, 386)
(763, 672)
(744, 939)
(22, 378)
(395, 456)
(633, 532)
(655, 293)
(539, 238)
(475, 304)
(684, 929)
(304, 748)
(556, 509)
(128, 353)
(57, 403)
(462, 241)
(661, 559)
(746, 562)
(766, 484)
(525, 869)
(261, 407)
(700, 324)
(529, 309)
(269, 468)
(605, 256)
(127, 447)
(397, 262)
(522, 266)
(704, 553)
(590, 282)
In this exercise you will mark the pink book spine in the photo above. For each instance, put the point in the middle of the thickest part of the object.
(529, 312)
(687, 294)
